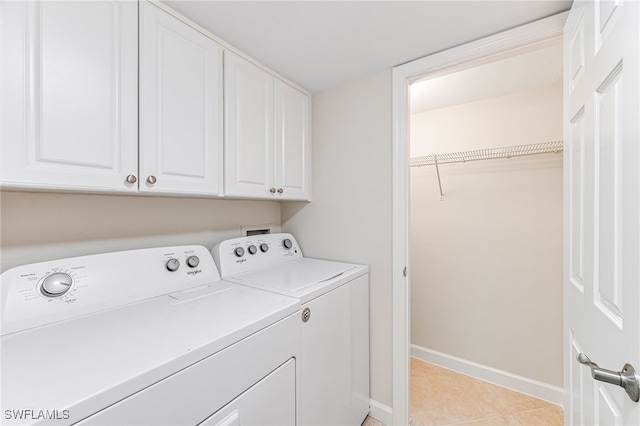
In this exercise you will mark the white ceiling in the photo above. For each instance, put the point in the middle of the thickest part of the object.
(537, 68)
(320, 44)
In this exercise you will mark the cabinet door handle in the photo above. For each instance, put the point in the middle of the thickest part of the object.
(131, 179)
(272, 190)
(280, 190)
(152, 179)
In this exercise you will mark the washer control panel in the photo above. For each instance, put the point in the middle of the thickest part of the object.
(246, 254)
(40, 293)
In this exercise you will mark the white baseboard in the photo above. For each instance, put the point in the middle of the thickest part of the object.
(502, 378)
(380, 412)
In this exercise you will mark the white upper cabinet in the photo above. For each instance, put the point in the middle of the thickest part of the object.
(249, 128)
(180, 106)
(267, 146)
(126, 97)
(292, 143)
(69, 95)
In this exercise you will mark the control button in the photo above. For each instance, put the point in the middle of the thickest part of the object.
(193, 261)
(239, 251)
(286, 243)
(252, 249)
(56, 284)
(173, 264)
(264, 247)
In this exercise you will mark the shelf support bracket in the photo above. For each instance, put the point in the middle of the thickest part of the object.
(435, 158)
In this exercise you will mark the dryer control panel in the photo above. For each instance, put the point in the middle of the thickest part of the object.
(45, 292)
(247, 254)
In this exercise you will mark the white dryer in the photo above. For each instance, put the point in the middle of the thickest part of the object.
(144, 337)
(333, 367)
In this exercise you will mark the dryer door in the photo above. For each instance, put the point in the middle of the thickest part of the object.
(270, 402)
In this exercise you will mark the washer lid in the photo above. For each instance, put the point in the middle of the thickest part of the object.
(295, 276)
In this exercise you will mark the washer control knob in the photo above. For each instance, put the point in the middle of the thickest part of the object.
(173, 264)
(56, 284)
(252, 249)
(193, 261)
(264, 247)
(239, 252)
(286, 243)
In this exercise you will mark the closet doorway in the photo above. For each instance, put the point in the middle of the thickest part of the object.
(485, 236)
(485, 230)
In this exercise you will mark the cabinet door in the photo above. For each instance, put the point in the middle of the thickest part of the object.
(69, 95)
(180, 106)
(248, 129)
(292, 144)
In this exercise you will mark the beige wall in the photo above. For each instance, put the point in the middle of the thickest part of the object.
(44, 226)
(486, 262)
(350, 216)
(520, 118)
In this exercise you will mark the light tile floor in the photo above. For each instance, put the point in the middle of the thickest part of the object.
(444, 397)
(370, 421)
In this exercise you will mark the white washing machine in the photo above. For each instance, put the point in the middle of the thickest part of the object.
(144, 337)
(333, 367)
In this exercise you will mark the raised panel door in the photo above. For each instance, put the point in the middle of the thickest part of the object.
(180, 108)
(248, 129)
(602, 193)
(69, 95)
(292, 144)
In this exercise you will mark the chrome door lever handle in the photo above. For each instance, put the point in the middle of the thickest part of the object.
(627, 378)
(598, 373)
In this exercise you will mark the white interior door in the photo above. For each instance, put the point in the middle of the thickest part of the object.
(602, 297)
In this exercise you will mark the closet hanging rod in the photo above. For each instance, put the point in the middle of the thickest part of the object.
(486, 154)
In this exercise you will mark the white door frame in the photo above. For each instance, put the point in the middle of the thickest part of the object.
(511, 42)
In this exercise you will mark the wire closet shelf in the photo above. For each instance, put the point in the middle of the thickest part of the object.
(486, 154)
